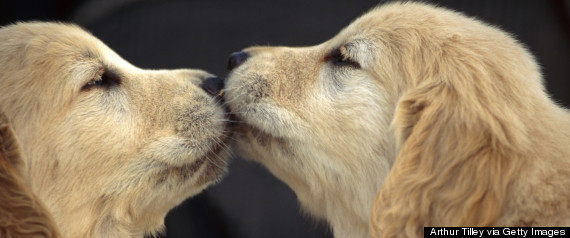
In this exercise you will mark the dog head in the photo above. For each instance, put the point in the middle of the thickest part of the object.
(435, 89)
(110, 148)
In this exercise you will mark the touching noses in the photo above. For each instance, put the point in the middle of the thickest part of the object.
(213, 85)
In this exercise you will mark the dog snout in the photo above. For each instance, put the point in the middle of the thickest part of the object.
(236, 59)
(213, 85)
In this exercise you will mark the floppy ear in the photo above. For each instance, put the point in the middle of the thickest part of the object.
(455, 160)
(9, 146)
(23, 215)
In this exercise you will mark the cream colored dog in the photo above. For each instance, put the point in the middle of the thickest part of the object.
(454, 107)
(108, 148)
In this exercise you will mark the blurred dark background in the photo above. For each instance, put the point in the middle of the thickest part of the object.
(250, 202)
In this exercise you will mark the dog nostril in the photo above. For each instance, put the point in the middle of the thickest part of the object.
(213, 85)
(236, 59)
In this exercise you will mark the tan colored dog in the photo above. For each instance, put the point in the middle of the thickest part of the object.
(455, 107)
(107, 147)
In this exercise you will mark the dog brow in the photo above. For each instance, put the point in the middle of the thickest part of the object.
(360, 50)
(88, 54)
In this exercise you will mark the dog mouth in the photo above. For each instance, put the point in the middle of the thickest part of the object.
(211, 165)
(215, 161)
(247, 131)
(217, 158)
(204, 170)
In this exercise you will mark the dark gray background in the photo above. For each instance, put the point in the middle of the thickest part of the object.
(170, 34)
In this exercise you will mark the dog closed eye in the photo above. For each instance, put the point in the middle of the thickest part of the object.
(105, 79)
(337, 58)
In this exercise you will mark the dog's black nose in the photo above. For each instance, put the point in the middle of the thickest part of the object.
(236, 59)
(213, 85)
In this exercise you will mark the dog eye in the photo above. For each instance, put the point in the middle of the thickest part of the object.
(337, 58)
(95, 82)
(104, 80)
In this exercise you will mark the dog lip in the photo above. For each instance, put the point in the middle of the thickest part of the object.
(219, 97)
(215, 163)
(237, 121)
(223, 141)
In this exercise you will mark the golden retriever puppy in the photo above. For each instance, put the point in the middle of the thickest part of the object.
(108, 148)
(450, 114)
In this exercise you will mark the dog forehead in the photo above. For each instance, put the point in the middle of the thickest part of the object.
(405, 18)
(68, 43)
(23, 32)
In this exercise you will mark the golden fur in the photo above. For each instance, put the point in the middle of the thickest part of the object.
(447, 113)
(108, 148)
(23, 215)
